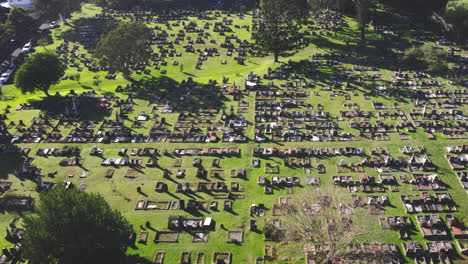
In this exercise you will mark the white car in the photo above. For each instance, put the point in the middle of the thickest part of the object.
(53, 25)
(27, 47)
(4, 77)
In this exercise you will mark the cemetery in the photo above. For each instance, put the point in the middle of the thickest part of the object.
(207, 145)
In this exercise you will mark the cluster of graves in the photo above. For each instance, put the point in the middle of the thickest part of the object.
(292, 130)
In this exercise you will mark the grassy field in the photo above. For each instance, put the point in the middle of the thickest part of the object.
(122, 193)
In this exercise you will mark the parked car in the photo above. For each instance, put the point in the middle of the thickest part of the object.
(11, 68)
(53, 24)
(4, 77)
(27, 47)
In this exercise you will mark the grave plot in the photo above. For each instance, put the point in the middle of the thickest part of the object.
(159, 258)
(200, 237)
(251, 129)
(131, 173)
(201, 258)
(235, 236)
(185, 258)
(222, 257)
(166, 236)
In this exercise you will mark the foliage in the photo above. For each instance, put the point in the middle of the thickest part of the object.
(339, 5)
(124, 47)
(16, 22)
(362, 15)
(279, 28)
(418, 7)
(45, 41)
(427, 57)
(457, 14)
(52, 9)
(272, 232)
(75, 227)
(6, 33)
(116, 4)
(19, 19)
(317, 218)
(39, 72)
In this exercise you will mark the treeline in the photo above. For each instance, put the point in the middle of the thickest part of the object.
(15, 22)
(200, 4)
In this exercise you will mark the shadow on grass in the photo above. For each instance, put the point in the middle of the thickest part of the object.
(56, 106)
(88, 30)
(10, 162)
(182, 96)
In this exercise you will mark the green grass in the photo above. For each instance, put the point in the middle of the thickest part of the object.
(122, 193)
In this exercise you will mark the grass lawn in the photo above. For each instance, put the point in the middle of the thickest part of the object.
(121, 192)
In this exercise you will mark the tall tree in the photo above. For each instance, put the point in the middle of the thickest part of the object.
(117, 4)
(126, 46)
(75, 227)
(456, 14)
(19, 19)
(38, 72)
(280, 25)
(324, 216)
(52, 9)
(426, 58)
(362, 15)
(339, 5)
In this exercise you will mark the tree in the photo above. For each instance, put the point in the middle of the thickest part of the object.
(418, 7)
(75, 227)
(280, 26)
(456, 14)
(19, 19)
(51, 9)
(39, 71)
(126, 46)
(339, 5)
(324, 217)
(117, 4)
(362, 16)
(427, 57)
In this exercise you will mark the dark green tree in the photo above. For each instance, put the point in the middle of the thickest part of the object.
(280, 25)
(19, 19)
(456, 14)
(116, 4)
(427, 57)
(75, 227)
(339, 5)
(362, 16)
(38, 72)
(53, 9)
(124, 47)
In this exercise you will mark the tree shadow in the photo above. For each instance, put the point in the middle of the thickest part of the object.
(88, 30)
(10, 162)
(56, 107)
(181, 96)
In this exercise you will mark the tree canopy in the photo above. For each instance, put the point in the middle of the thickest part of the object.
(124, 47)
(117, 4)
(19, 19)
(324, 216)
(427, 57)
(52, 9)
(75, 227)
(280, 26)
(456, 14)
(38, 72)
(362, 15)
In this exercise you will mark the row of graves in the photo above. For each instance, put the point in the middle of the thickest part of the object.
(174, 35)
(14, 235)
(439, 232)
(277, 117)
